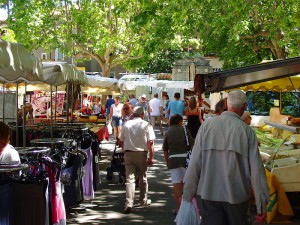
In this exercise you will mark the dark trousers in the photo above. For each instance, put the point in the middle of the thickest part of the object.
(223, 213)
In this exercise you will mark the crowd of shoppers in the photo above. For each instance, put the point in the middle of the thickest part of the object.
(225, 166)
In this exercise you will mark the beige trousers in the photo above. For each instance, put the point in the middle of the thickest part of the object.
(136, 162)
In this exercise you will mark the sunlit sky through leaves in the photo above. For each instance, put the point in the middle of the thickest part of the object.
(3, 14)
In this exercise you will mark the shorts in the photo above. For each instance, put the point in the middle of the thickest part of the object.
(116, 121)
(177, 175)
(155, 119)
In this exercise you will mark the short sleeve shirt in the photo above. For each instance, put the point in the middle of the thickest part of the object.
(136, 133)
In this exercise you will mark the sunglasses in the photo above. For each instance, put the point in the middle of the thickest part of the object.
(126, 109)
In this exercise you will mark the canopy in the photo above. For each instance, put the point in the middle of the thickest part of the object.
(17, 65)
(269, 71)
(282, 84)
(100, 82)
(58, 73)
(131, 85)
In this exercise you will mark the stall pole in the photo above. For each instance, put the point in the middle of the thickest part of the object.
(17, 119)
(72, 101)
(3, 102)
(55, 102)
(51, 114)
(67, 98)
(24, 116)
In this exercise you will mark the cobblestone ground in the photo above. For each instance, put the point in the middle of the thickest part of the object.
(108, 205)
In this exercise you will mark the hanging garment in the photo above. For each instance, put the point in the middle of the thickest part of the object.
(87, 180)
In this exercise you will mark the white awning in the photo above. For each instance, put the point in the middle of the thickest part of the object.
(101, 82)
(58, 73)
(17, 65)
(131, 85)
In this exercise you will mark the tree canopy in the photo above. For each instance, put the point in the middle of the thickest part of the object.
(109, 31)
(117, 31)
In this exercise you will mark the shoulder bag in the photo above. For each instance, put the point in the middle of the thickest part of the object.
(189, 152)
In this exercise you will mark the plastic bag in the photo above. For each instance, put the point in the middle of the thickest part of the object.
(109, 128)
(188, 213)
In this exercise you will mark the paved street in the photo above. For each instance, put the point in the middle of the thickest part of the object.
(108, 205)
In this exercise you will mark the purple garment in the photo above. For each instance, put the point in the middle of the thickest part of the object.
(87, 179)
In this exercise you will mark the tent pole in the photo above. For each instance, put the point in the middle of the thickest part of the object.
(17, 117)
(67, 97)
(72, 101)
(24, 116)
(3, 98)
(55, 102)
(51, 114)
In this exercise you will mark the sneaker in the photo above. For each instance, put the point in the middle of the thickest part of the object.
(146, 203)
(128, 210)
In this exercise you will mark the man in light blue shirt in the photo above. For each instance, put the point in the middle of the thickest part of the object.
(176, 106)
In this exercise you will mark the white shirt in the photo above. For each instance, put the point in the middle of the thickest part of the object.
(155, 105)
(85, 102)
(136, 133)
(9, 155)
(117, 110)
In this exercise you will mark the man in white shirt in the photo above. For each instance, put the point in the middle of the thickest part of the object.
(7, 152)
(156, 112)
(137, 138)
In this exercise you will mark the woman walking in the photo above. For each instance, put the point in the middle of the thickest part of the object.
(177, 141)
(194, 117)
(115, 116)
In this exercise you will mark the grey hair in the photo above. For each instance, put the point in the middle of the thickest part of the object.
(236, 99)
(245, 115)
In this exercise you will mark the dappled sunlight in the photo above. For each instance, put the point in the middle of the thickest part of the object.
(109, 202)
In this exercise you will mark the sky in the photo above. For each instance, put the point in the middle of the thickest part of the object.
(3, 14)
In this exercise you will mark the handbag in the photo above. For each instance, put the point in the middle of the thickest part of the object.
(189, 152)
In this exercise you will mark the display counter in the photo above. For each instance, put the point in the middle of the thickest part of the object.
(283, 159)
(294, 129)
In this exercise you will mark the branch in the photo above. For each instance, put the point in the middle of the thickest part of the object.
(262, 33)
(125, 59)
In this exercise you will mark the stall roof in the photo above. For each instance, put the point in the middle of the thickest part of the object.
(131, 85)
(58, 73)
(18, 65)
(236, 78)
(101, 82)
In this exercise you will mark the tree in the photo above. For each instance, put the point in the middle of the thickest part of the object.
(246, 32)
(160, 62)
(109, 31)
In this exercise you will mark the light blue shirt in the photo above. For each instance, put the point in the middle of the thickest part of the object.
(176, 107)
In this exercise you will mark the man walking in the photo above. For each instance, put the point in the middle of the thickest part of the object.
(176, 106)
(108, 103)
(133, 100)
(156, 112)
(137, 138)
(225, 163)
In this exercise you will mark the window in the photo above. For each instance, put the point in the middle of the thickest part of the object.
(44, 56)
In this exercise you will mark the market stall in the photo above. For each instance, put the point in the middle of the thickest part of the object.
(278, 132)
(16, 66)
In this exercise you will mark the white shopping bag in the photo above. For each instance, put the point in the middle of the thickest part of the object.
(188, 213)
(109, 128)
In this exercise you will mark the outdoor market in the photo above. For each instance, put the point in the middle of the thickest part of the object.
(149, 113)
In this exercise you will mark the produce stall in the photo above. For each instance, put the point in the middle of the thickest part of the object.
(280, 75)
